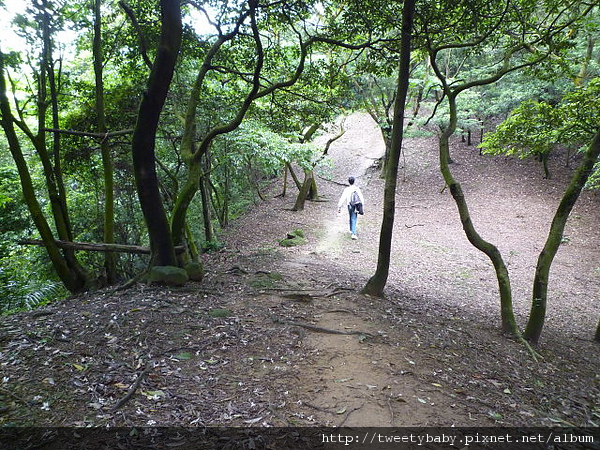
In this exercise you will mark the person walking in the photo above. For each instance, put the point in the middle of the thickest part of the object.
(354, 201)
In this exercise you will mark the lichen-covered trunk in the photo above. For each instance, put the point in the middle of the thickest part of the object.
(144, 135)
(73, 280)
(539, 301)
(110, 258)
(506, 309)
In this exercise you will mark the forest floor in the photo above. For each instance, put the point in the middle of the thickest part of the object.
(278, 336)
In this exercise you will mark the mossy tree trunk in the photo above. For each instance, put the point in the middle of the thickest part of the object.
(376, 284)
(50, 154)
(110, 258)
(209, 233)
(539, 301)
(192, 154)
(70, 271)
(506, 308)
(74, 279)
(144, 135)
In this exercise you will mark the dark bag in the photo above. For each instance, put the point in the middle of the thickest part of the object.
(355, 203)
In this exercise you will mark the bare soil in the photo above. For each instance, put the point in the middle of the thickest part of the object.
(280, 336)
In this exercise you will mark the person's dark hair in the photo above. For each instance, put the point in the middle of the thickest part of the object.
(351, 180)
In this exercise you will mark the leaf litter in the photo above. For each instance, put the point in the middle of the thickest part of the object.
(223, 352)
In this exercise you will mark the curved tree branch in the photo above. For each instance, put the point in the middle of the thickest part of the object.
(138, 29)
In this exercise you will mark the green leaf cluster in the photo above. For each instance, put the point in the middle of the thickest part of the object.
(535, 128)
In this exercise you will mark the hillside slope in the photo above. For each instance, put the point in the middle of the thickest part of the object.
(281, 337)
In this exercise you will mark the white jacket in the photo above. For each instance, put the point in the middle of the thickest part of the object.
(345, 198)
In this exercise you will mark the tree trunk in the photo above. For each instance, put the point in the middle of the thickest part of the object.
(509, 323)
(220, 202)
(51, 158)
(96, 247)
(304, 190)
(544, 158)
(421, 90)
(581, 78)
(313, 191)
(377, 282)
(192, 155)
(540, 283)
(72, 280)
(285, 180)
(387, 140)
(597, 336)
(110, 259)
(182, 203)
(144, 135)
(209, 233)
(294, 176)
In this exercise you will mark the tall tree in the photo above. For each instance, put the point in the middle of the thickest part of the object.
(48, 149)
(275, 66)
(110, 261)
(144, 135)
(572, 122)
(539, 301)
(71, 278)
(517, 44)
(377, 282)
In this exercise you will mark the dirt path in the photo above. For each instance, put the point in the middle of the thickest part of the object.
(368, 378)
(401, 373)
(279, 336)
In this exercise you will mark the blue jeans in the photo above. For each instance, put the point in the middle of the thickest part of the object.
(353, 219)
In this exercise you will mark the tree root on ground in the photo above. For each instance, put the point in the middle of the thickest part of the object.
(535, 355)
(321, 329)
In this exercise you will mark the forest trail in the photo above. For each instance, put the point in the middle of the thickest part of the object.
(357, 380)
(280, 337)
(352, 155)
(367, 376)
(394, 371)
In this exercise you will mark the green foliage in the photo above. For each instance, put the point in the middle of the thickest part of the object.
(24, 271)
(22, 287)
(581, 110)
(13, 213)
(535, 128)
(254, 145)
(244, 160)
(594, 180)
(212, 246)
(531, 129)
